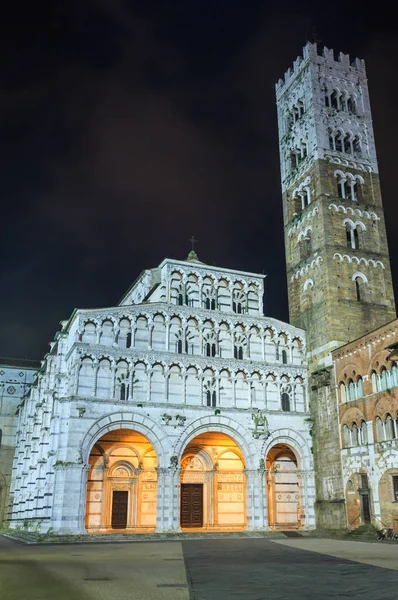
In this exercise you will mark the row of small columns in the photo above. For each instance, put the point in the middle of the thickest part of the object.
(203, 380)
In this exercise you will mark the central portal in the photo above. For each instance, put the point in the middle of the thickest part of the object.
(192, 505)
(212, 484)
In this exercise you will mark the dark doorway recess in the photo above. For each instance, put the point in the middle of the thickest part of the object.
(191, 505)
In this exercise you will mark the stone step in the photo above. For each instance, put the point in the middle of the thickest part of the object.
(37, 538)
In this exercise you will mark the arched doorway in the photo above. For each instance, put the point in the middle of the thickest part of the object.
(284, 506)
(358, 500)
(388, 497)
(212, 484)
(122, 484)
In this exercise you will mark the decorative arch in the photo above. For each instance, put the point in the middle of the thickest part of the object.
(386, 406)
(352, 415)
(133, 421)
(361, 276)
(307, 284)
(295, 441)
(220, 424)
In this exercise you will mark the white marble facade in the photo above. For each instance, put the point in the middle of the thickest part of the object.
(187, 352)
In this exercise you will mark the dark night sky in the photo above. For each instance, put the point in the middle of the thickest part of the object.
(128, 126)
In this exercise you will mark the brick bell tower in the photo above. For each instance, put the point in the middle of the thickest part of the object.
(338, 270)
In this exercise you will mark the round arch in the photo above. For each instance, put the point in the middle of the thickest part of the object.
(137, 422)
(293, 440)
(240, 435)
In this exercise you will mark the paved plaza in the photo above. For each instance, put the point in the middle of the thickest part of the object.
(200, 569)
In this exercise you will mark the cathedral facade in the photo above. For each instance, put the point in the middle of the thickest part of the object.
(184, 408)
(181, 408)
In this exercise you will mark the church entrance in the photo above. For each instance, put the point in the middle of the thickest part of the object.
(213, 486)
(119, 509)
(122, 484)
(191, 505)
(284, 505)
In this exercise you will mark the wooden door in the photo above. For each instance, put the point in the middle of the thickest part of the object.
(191, 505)
(366, 508)
(119, 510)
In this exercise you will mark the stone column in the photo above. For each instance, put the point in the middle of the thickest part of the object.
(69, 498)
(168, 499)
(256, 499)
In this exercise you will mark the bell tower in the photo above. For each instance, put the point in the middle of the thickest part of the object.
(339, 278)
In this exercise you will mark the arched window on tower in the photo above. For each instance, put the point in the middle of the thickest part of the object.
(326, 96)
(358, 289)
(356, 145)
(351, 106)
(352, 235)
(338, 142)
(305, 245)
(331, 140)
(359, 286)
(285, 401)
(334, 100)
(284, 357)
(347, 144)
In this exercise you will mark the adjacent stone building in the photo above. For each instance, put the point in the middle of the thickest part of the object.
(366, 371)
(338, 269)
(183, 407)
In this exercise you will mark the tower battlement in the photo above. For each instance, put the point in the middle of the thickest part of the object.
(325, 56)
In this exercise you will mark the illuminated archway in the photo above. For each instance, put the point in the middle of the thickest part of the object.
(213, 486)
(122, 484)
(284, 495)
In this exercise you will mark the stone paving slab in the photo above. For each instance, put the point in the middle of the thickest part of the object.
(36, 538)
(377, 554)
(264, 570)
(125, 572)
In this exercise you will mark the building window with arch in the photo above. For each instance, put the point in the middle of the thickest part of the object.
(284, 357)
(285, 402)
(359, 281)
(305, 245)
(211, 398)
(238, 352)
(395, 487)
(352, 235)
(210, 349)
(355, 435)
(238, 302)
(387, 429)
(348, 187)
